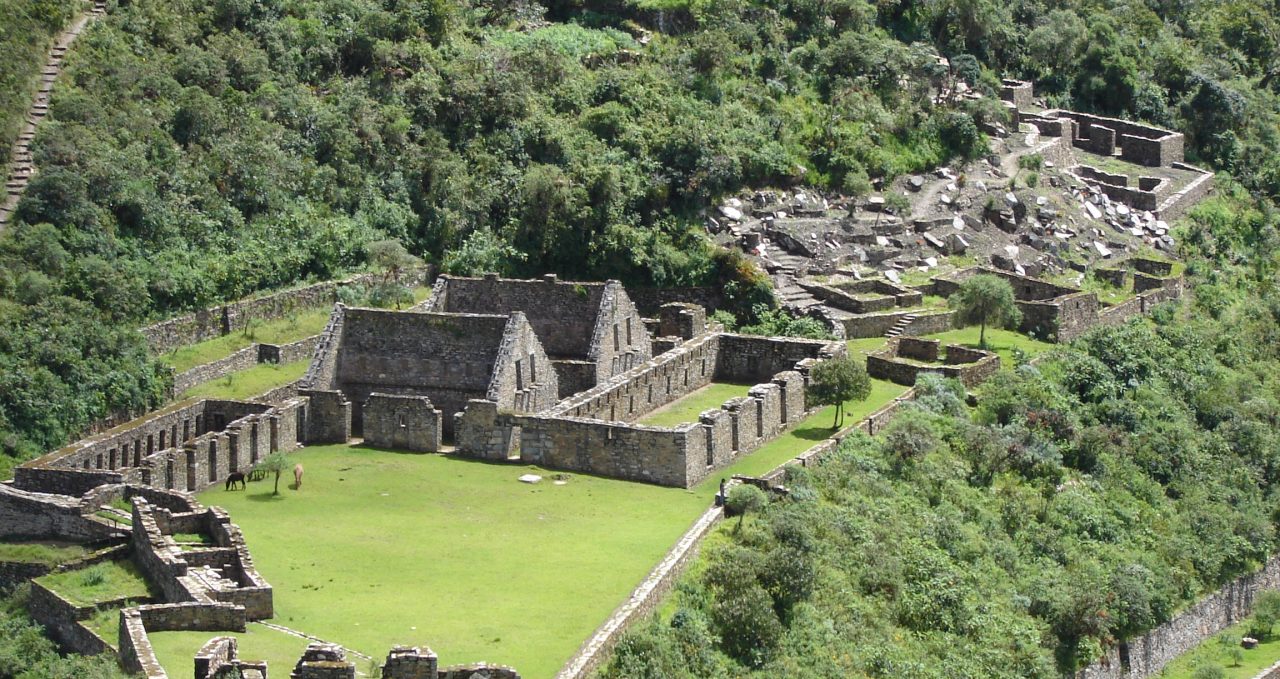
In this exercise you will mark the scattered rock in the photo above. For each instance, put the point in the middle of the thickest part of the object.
(530, 478)
(731, 212)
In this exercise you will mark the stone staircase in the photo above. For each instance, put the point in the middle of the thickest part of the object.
(901, 326)
(793, 297)
(21, 167)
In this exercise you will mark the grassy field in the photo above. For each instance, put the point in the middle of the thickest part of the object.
(688, 408)
(1214, 651)
(247, 383)
(383, 548)
(48, 553)
(98, 583)
(810, 432)
(259, 642)
(279, 331)
(1002, 342)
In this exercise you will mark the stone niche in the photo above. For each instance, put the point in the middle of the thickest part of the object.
(403, 423)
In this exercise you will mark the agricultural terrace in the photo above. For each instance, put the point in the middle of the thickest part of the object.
(291, 328)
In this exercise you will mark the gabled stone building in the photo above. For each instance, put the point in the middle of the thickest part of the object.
(377, 374)
(591, 331)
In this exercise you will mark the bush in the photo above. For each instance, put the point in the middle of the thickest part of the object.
(1209, 671)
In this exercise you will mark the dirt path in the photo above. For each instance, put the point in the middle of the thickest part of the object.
(21, 169)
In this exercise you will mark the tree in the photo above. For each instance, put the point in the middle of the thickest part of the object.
(985, 299)
(391, 257)
(838, 381)
(278, 463)
(1266, 613)
(744, 498)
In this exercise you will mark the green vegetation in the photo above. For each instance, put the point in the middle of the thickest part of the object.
(1223, 650)
(866, 345)
(29, 28)
(279, 331)
(98, 583)
(50, 554)
(248, 383)
(1084, 500)
(838, 381)
(26, 652)
(1006, 343)
(377, 544)
(105, 623)
(985, 299)
(688, 408)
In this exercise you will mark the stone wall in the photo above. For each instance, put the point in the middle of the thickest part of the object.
(244, 359)
(1139, 144)
(524, 380)
(1175, 205)
(620, 340)
(1017, 92)
(236, 316)
(1146, 655)
(650, 300)
(216, 438)
(407, 423)
(748, 358)
(672, 456)
(27, 515)
(61, 618)
(970, 366)
(651, 385)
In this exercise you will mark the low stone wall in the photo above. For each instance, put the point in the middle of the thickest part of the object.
(1176, 205)
(27, 515)
(241, 360)
(1146, 655)
(14, 573)
(407, 423)
(136, 653)
(643, 600)
(244, 359)
(235, 316)
(970, 366)
(61, 619)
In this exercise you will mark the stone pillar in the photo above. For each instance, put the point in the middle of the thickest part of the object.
(405, 662)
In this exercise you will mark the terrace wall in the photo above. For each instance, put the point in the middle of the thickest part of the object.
(1146, 655)
(236, 316)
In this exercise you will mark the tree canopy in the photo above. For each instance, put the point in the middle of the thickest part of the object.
(837, 381)
(985, 299)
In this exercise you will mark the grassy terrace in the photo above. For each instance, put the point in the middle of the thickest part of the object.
(48, 553)
(246, 383)
(688, 408)
(1003, 342)
(1213, 651)
(279, 331)
(99, 583)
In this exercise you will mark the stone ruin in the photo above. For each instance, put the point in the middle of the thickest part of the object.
(218, 660)
(904, 359)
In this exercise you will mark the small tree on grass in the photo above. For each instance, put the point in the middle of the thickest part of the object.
(985, 299)
(278, 463)
(1266, 613)
(838, 381)
(744, 498)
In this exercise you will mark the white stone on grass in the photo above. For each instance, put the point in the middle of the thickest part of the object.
(530, 478)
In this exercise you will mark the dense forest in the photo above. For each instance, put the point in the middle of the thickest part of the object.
(1086, 499)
